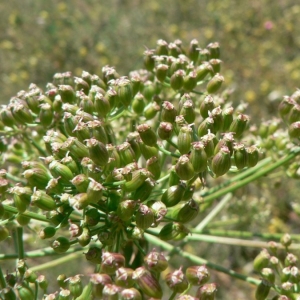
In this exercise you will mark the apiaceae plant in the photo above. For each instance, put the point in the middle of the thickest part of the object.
(129, 170)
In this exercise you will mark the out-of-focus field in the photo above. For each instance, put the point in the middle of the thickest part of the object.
(260, 40)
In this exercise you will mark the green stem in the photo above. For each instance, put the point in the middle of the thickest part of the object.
(2, 279)
(172, 144)
(163, 178)
(35, 144)
(15, 178)
(56, 262)
(28, 214)
(173, 295)
(218, 208)
(255, 176)
(21, 253)
(39, 253)
(245, 234)
(167, 152)
(234, 241)
(140, 248)
(198, 93)
(197, 260)
(116, 183)
(36, 292)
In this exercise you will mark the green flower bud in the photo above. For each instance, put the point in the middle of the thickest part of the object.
(268, 274)
(144, 217)
(153, 165)
(76, 148)
(81, 183)
(239, 125)
(227, 118)
(37, 177)
(190, 81)
(21, 113)
(85, 103)
(111, 262)
(240, 156)
(102, 105)
(4, 233)
(286, 106)
(184, 211)
(6, 117)
(286, 240)
(144, 191)
(124, 90)
(70, 123)
(97, 152)
(97, 131)
(173, 231)
(64, 295)
(24, 292)
(21, 266)
(136, 82)
(138, 103)
(216, 65)
(177, 80)
(22, 197)
(168, 112)
(214, 50)
(99, 281)
(82, 131)
(47, 232)
(261, 260)
(294, 114)
(126, 210)
(156, 261)
(252, 156)
(221, 162)
(75, 285)
(214, 84)
(198, 157)
(30, 276)
(9, 293)
(203, 70)
(161, 47)
(193, 51)
(130, 294)
(208, 125)
(126, 154)
(149, 61)
(173, 195)
(60, 245)
(188, 111)
(197, 275)
(138, 178)
(294, 130)
(175, 48)
(147, 135)
(23, 220)
(46, 114)
(207, 291)
(81, 85)
(94, 191)
(165, 130)
(66, 93)
(147, 283)
(262, 290)
(184, 168)
(43, 201)
(161, 72)
(109, 74)
(124, 277)
(151, 110)
(184, 139)
(94, 255)
(177, 281)
(106, 237)
(57, 169)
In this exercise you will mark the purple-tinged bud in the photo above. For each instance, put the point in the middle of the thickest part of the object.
(177, 281)
(60, 245)
(184, 168)
(97, 152)
(94, 191)
(261, 260)
(147, 283)
(99, 281)
(81, 183)
(147, 135)
(173, 195)
(262, 290)
(214, 84)
(290, 260)
(184, 139)
(207, 105)
(177, 80)
(156, 261)
(173, 231)
(43, 201)
(252, 156)
(144, 217)
(111, 262)
(168, 112)
(221, 162)
(130, 294)
(165, 130)
(42, 282)
(197, 275)
(124, 277)
(207, 291)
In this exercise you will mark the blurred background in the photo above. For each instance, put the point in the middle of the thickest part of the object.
(260, 43)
